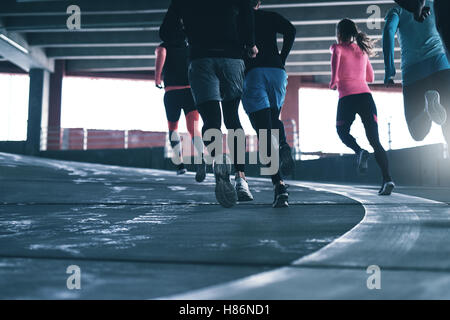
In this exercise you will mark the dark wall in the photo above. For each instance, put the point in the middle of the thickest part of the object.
(421, 166)
(15, 147)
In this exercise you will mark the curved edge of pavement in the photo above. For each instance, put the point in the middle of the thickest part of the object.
(398, 251)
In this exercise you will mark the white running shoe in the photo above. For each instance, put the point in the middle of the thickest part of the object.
(242, 190)
(433, 106)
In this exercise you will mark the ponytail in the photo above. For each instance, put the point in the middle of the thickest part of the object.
(348, 32)
(365, 43)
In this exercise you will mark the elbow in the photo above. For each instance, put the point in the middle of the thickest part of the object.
(293, 31)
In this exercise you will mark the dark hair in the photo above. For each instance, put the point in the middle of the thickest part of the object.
(254, 3)
(348, 32)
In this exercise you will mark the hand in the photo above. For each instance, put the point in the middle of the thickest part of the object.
(158, 83)
(253, 52)
(332, 86)
(422, 14)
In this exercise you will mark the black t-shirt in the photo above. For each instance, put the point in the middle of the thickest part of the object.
(175, 70)
(267, 26)
(214, 28)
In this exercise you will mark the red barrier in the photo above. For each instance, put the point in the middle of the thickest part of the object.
(105, 139)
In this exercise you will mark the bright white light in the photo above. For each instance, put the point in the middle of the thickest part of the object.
(13, 107)
(317, 123)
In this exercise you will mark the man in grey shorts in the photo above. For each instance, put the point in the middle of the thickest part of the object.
(219, 34)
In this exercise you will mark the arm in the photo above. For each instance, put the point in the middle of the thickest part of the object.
(161, 54)
(247, 17)
(390, 29)
(171, 24)
(335, 64)
(287, 29)
(370, 75)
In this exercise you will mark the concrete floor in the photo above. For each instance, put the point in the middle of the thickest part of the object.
(140, 234)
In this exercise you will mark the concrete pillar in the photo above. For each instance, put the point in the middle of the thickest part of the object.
(54, 135)
(290, 111)
(37, 109)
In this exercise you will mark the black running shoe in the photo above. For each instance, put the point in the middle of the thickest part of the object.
(200, 175)
(287, 163)
(281, 196)
(181, 169)
(363, 161)
(387, 188)
(225, 191)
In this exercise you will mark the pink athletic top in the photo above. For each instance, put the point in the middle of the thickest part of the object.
(350, 69)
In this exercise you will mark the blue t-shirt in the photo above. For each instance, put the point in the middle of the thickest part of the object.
(423, 52)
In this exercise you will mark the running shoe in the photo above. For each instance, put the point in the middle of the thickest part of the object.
(225, 192)
(242, 190)
(434, 107)
(281, 196)
(387, 188)
(287, 163)
(200, 175)
(181, 169)
(363, 161)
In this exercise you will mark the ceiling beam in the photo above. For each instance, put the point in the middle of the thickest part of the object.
(90, 23)
(106, 7)
(94, 39)
(14, 48)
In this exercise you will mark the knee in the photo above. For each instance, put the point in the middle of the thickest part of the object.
(192, 119)
(342, 131)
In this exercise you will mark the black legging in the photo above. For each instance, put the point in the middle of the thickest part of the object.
(269, 119)
(212, 119)
(442, 9)
(418, 120)
(363, 105)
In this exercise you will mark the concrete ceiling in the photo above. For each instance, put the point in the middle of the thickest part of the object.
(120, 35)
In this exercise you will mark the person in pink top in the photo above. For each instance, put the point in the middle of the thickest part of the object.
(351, 71)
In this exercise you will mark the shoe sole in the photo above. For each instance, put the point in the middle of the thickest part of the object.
(287, 163)
(244, 198)
(388, 191)
(363, 164)
(435, 110)
(225, 192)
(281, 201)
(200, 175)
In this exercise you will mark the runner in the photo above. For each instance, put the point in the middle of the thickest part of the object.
(217, 32)
(441, 10)
(265, 88)
(425, 68)
(421, 12)
(172, 67)
(351, 71)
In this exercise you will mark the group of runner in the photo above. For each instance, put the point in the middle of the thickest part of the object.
(216, 54)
